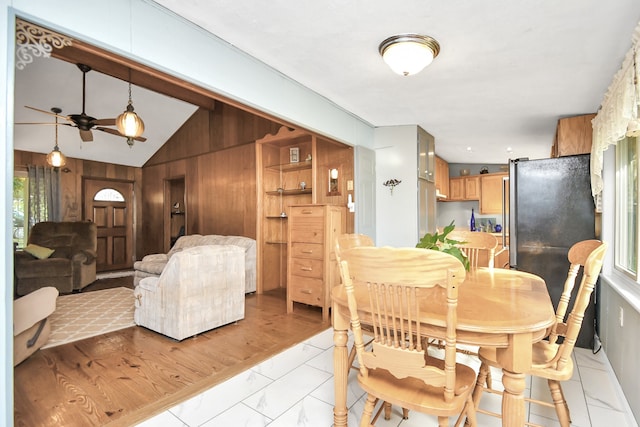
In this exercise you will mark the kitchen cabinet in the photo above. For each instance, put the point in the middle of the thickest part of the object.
(464, 188)
(426, 155)
(573, 136)
(313, 269)
(442, 178)
(491, 185)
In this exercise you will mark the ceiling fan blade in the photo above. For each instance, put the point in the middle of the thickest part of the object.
(105, 122)
(86, 135)
(47, 112)
(37, 123)
(117, 133)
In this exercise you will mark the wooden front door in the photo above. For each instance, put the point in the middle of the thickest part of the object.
(109, 203)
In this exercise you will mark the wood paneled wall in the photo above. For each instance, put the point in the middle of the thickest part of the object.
(71, 179)
(215, 152)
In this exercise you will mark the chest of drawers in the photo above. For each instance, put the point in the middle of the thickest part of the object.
(312, 269)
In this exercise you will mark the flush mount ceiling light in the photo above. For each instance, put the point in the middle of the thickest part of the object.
(408, 54)
(55, 158)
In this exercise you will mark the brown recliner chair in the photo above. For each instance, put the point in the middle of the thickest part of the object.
(70, 267)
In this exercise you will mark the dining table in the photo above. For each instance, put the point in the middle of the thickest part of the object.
(502, 308)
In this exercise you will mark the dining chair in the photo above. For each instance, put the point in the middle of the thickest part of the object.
(345, 242)
(479, 246)
(393, 289)
(552, 357)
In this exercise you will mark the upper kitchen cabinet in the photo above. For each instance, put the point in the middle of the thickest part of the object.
(491, 187)
(426, 155)
(442, 178)
(573, 136)
(464, 188)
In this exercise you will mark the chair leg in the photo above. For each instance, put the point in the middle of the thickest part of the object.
(480, 384)
(562, 409)
(405, 414)
(387, 410)
(369, 406)
(443, 421)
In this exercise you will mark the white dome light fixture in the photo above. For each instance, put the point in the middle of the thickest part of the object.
(408, 54)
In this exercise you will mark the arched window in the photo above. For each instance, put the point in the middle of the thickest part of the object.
(108, 195)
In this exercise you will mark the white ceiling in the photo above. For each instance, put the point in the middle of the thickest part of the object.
(49, 82)
(507, 70)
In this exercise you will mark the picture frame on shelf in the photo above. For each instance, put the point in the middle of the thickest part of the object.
(294, 155)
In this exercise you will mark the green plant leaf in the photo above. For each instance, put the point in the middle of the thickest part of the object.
(440, 242)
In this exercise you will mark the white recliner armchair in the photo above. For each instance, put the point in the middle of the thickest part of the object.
(200, 288)
(31, 326)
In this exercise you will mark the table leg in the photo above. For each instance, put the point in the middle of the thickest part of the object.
(340, 376)
(513, 405)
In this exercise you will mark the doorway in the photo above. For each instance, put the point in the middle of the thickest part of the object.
(109, 203)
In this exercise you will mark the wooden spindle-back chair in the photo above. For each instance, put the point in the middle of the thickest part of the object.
(552, 357)
(394, 289)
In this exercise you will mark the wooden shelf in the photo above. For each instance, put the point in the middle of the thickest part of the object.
(288, 167)
(279, 242)
(290, 192)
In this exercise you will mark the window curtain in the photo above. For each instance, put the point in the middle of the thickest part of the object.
(45, 199)
(618, 112)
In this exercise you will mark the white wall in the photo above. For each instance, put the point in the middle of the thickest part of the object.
(6, 181)
(396, 157)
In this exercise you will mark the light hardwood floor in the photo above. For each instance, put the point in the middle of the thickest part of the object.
(121, 378)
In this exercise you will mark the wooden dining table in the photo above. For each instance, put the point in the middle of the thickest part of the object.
(501, 308)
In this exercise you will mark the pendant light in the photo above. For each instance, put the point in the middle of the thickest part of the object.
(129, 123)
(55, 158)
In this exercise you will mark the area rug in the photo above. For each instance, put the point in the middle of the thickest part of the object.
(84, 315)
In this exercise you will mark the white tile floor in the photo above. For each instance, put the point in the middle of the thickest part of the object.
(295, 388)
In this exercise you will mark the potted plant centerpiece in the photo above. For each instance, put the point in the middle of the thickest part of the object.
(440, 242)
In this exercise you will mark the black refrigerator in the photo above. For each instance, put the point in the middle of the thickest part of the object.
(550, 209)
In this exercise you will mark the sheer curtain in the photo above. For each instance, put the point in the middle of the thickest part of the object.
(618, 113)
(44, 195)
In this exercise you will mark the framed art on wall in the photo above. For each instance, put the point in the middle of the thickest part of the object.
(294, 155)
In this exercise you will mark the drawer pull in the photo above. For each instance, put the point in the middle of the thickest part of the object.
(306, 268)
(307, 251)
(305, 291)
(306, 212)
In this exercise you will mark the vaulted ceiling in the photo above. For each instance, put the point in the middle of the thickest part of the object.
(507, 70)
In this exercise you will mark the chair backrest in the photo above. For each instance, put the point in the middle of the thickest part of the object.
(475, 244)
(73, 235)
(348, 241)
(392, 288)
(590, 254)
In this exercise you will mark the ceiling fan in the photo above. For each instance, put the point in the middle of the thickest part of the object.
(83, 121)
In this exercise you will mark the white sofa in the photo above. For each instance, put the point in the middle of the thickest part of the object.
(200, 288)
(152, 265)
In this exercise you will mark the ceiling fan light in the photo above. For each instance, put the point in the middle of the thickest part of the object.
(408, 54)
(56, 159)
(129, 123)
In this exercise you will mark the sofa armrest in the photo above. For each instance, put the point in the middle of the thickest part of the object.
(32, 308)
(155, 257)
(85, 256)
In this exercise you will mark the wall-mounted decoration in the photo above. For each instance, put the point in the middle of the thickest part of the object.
(391, 183)
(294, 155)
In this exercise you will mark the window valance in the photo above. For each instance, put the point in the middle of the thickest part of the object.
(618, 112)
